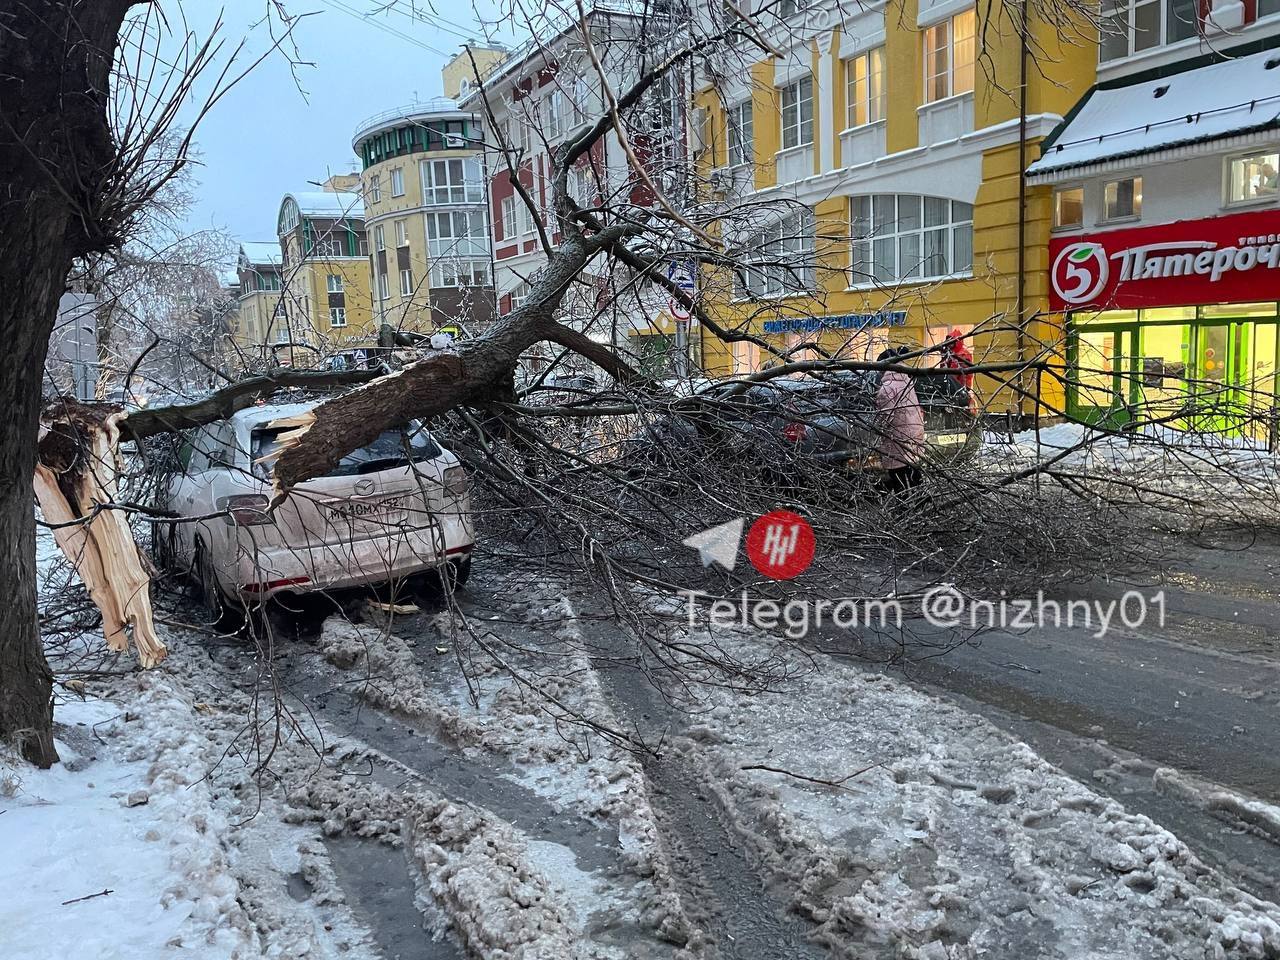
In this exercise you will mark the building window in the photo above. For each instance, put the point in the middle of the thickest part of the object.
(379, 238)
(452, 181)
(1068, 207)
(402, 233)
(864, 80)
(326, 247)
(1267, 8)
(739, 121)
(1253, 176)
(460, 273)
(397, 182)
(1122, 199)
(908, 237)
(554, 115)
(1131, 26)
(509, 218)
(375, 188)
(582, 185)
(459, 233)
(519, 294)
(406, 283)
(797, 113)
(337, 316)
(383, 290)
(782, 258)
(789, 8)
(334, 283)
(950, 51)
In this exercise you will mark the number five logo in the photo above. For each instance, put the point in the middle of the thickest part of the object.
(1080, 272)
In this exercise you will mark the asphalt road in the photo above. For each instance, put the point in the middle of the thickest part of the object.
(1200, 693)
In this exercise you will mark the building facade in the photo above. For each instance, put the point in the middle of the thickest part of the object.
(891, 140)
(259, 321)
(1165, 253)
(424, 204)
(324, 278)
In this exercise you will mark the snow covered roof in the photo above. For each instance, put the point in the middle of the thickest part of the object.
(1160, 118)
(258, 253)
(322, 203)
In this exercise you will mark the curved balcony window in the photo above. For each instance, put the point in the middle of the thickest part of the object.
(459, 233)
(457, 180)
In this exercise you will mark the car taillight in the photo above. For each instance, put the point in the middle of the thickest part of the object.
(795, 432)
(455, 481)
(245, 510)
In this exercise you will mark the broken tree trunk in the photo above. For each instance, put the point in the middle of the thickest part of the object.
(75, 480)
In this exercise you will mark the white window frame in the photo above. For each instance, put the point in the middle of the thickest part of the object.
(450, 272)
(1127, 11)
(878, 235)
(740, 133)
(375, 188)
(509, 217)
(402, 233)
(397, 181)
(334, 283)
(865, 100)
(406, 282)
(379, 238)
(337, 316)
(795, 97)
(1135, 213)
(440, 186)
(1058, 193)
(782, 260)
(958, 75)
(327, 248)
(384, 290)
(519, 294)
(471, 243)
(1264, 155)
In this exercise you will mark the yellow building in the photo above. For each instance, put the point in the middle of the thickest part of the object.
(892, 139)
(261, 299)
(324, 278)
(426, 217)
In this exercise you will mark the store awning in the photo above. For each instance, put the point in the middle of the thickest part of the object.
(1232, 103)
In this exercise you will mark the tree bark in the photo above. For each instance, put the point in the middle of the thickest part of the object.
(59, 161)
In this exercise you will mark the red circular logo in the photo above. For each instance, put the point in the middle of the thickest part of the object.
(780, 545)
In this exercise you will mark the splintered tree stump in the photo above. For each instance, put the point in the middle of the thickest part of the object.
(75, 478)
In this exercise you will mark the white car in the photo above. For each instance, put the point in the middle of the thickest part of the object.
(397, 507)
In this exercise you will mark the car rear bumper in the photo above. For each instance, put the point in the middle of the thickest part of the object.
(272, 570)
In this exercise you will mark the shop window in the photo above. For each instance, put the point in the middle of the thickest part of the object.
(746, 358)
(1122, 199)
(1131, 26)
(782, 260)
(1068, 207)
(797, 113)
(739, 121)
(908, 237)
(1253, 176)
(864, 79)
(950, 51)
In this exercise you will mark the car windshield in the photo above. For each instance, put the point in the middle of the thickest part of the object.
(387, 451)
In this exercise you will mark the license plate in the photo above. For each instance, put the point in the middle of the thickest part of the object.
(367, 509)
(948, 439)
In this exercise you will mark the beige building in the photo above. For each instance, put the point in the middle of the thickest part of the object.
(426, 218)
(324, 277)
(260, 298)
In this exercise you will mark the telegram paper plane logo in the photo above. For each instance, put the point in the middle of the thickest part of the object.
(718, 544)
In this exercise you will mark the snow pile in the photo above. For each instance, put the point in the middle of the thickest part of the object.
(955, 841)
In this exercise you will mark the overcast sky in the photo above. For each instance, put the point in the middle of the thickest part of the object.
(267, 137)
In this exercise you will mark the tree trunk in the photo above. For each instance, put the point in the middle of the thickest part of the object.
(58, 201)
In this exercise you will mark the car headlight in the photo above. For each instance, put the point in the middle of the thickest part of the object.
(455, 481)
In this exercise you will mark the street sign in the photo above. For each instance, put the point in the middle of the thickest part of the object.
(677, 309)
(683, 274)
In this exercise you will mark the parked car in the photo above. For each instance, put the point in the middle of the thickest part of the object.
(828, 419)
(397, 507)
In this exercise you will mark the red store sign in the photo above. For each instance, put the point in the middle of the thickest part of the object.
(1233, 259)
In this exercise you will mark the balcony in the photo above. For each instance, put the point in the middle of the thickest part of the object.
(947, 119)
(794, 163)
(862, 144)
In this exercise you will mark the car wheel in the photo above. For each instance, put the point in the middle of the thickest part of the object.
(217, 612)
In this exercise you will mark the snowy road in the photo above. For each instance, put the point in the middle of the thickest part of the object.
(1201, 694)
